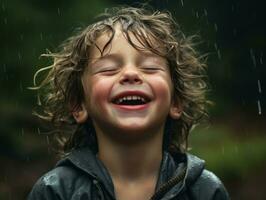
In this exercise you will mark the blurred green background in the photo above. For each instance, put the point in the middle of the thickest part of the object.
(233, 32)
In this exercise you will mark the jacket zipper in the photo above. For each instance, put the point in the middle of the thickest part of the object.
(169, 184)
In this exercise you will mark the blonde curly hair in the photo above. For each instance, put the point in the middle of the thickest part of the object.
(61, 90)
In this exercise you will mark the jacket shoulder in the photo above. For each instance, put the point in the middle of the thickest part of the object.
(208, 187)
(63, 182)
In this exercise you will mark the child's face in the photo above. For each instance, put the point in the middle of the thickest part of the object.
(126, 90)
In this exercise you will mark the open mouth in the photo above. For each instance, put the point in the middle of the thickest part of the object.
(132, 100)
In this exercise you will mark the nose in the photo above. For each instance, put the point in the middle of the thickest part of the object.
(131, 75)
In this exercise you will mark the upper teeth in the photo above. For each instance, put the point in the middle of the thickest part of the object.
(120, 100)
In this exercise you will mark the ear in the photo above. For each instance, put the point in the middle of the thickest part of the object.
(175, 110)
(81, 114)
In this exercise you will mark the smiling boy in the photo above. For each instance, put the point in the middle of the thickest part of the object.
(133, 85)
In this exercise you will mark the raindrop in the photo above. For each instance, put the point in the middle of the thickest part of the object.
(58, 11)
(197, 14)
(219, 54)
(22, 132)
(205, 12)
(259, 86)
(3, 7)
(4, 66)
(253, 58)
(215, 46)
(5, 20)
(259, 107)
(182, 2)
(38, 130)
(41, 36)
(215, 27)
(19, 56)
(47, 140)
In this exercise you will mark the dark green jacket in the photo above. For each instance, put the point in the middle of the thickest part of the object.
(81, 176)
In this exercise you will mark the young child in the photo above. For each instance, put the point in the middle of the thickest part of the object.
(129, 88)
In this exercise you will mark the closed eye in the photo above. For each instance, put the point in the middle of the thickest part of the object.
(152, 69)
(107, 71)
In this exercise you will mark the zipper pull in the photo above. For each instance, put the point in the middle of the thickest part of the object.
(169, 184)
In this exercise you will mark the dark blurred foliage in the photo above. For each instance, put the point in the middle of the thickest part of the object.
(232, 33)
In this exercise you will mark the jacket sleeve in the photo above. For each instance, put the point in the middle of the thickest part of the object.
(209, 187)
(46, 188)
(41, 191)
(62, 183)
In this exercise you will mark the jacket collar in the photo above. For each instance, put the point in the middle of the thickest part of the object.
(85, 160)
(171, 166)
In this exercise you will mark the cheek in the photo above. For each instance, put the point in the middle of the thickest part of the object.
(100, 91)
(163, 88)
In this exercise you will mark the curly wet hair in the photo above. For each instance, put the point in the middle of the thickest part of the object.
(61, 92)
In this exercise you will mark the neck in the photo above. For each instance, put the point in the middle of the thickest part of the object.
(132, 162)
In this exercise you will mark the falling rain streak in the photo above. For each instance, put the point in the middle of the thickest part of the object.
(253, 58)
(47, 140)
(182, 2)
(259, 107)
(218, 51)
(19, 56)
(205, 12)
(259, 86)
(197, 14)
(215, 27)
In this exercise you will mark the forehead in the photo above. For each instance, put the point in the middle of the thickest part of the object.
(117, 38)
